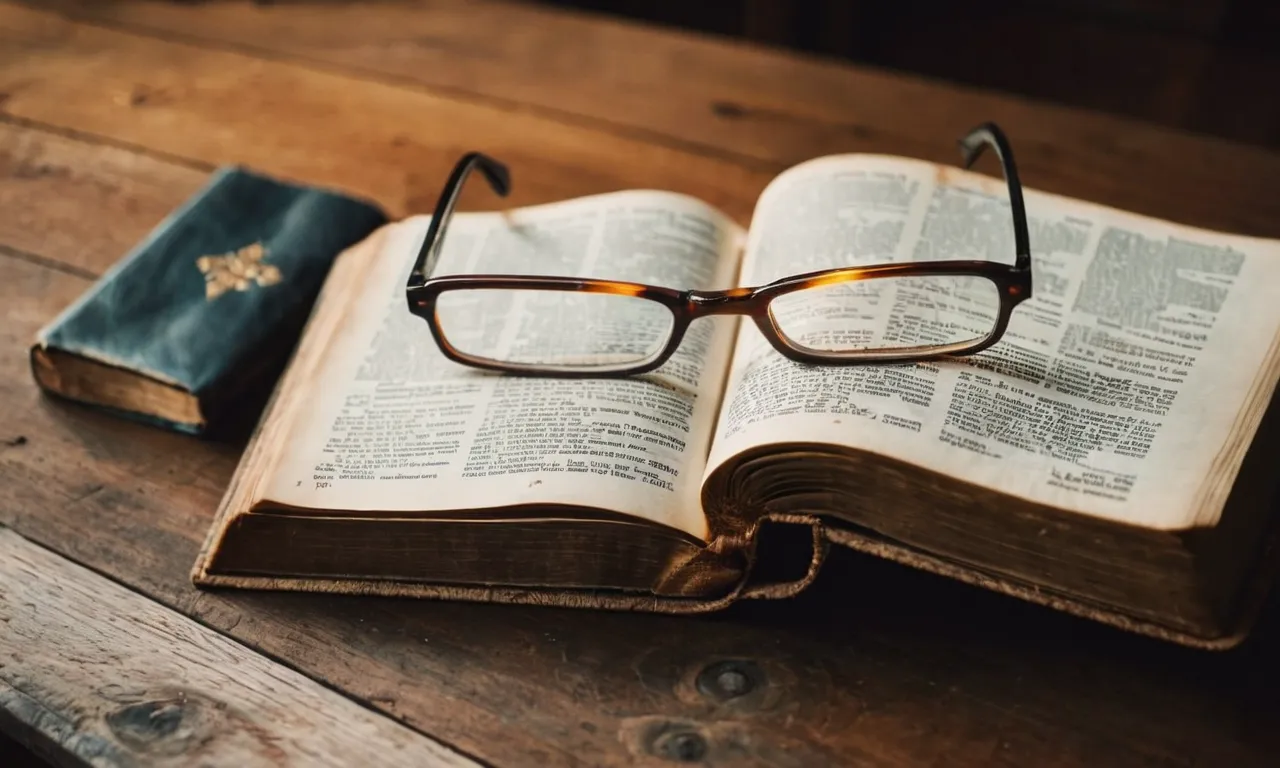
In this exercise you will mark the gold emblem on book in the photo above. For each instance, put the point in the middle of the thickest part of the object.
(239, 270)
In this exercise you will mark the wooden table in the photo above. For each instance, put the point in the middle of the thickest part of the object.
(112, 113)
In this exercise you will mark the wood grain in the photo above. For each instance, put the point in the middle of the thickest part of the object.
(116, 679)
(392, 144)
(875, 666)
(49, 182)
(720, 98)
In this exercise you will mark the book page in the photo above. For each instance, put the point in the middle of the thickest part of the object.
(400, 428)
(1114, 390)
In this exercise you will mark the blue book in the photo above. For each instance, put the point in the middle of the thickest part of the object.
(192, 327)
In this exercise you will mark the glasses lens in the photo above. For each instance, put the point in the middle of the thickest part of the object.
(890, 314)
(565, 330)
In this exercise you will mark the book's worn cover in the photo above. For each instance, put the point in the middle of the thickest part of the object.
(211, 302)
(1231, 636)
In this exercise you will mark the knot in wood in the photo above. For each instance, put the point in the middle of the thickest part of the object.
(149, 722)
(680, 745)
(733, 682)
(730, 679)
(728, 109)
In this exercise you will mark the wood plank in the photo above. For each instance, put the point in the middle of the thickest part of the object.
(723, 98)
(386, 142)
(46, 189)
(113, 678)
(876, 665)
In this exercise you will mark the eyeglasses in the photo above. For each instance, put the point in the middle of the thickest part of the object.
(573, 326)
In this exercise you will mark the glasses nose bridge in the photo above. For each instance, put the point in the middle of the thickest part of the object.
(735, 301)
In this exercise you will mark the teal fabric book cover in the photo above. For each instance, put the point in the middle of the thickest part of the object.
(191, 328)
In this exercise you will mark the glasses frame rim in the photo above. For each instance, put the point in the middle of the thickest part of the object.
(1014, 284)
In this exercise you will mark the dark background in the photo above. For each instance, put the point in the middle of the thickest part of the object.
(1207, 66)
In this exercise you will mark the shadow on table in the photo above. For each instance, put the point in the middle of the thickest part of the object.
(874, 656)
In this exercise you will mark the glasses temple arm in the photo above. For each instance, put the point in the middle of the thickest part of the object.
(971, 147)
(499, 179)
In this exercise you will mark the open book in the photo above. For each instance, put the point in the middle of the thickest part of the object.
(1108, 457)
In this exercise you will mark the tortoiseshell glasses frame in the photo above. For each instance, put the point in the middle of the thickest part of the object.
(1012, 282)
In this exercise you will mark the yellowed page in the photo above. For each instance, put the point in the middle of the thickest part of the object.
(399, 428)
(1114, 389)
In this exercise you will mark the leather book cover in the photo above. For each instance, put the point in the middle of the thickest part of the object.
(1251, 602)
(191, 328)
(601, 599)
